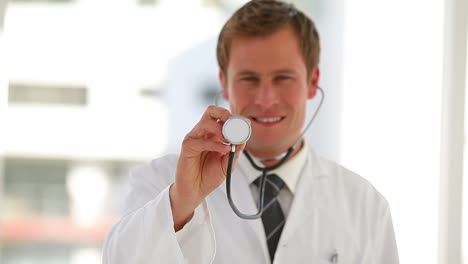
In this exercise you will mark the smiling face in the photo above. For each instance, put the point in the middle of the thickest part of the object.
(266, 81)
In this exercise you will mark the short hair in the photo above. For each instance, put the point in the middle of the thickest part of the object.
(265, 17)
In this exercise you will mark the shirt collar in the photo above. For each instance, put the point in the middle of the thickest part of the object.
(289, 172)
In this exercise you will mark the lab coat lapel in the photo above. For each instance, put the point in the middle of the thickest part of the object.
(243, 199)
(311, 201)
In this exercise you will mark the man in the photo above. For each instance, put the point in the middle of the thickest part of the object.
(315, 210)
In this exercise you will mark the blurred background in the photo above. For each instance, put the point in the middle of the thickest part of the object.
(91, 88)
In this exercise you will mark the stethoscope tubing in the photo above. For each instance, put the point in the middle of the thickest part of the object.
(263, 179)
(282, 157)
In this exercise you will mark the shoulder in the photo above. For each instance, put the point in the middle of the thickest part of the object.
(351, 187)
(356, 202)
(160, 164)
(159, 171)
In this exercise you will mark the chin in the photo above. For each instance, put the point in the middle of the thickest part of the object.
(265, 145)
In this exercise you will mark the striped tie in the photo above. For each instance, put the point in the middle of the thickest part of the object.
(272, 217)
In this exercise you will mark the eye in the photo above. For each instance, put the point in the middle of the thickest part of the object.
(249, 78)
(283, 77)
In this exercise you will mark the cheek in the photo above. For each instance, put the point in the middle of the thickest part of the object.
(235, 104)
(295, 98)
(298, 106)
(238, 100)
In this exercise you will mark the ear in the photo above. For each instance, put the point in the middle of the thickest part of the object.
(313, 83)
(223, 81)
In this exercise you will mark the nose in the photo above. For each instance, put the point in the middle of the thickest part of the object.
(267, 95)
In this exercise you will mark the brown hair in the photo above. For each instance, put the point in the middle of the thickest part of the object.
(264, 17)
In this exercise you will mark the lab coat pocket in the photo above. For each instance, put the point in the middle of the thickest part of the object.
(333, 259)
(325, 262)
(344, 256)
(329, 261)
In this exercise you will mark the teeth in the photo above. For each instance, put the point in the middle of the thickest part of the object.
(268, 119)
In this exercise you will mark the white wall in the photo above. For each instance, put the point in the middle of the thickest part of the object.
(391, 112)
(452, 132)
(324, 134)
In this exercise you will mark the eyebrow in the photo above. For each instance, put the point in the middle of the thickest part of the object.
(285, 71)
(280, 71)
(246, 72)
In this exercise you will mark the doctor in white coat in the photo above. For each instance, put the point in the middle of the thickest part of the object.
(177, 210)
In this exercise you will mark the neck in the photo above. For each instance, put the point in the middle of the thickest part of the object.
(274, 162)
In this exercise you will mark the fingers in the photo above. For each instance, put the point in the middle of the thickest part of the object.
(210, 125)
(207, 134)
(216, 113)
(207, 129)
(193, 146)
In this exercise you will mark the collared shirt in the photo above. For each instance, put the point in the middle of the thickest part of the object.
(289, 172)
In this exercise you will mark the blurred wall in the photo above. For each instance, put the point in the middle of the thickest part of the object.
(95, 87)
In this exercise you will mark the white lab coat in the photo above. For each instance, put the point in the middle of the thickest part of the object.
(334, 212)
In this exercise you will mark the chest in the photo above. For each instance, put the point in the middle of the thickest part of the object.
(312, 233)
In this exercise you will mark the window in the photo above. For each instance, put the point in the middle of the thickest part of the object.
(43, 1)
(33, 93)
(35, 187)
(147, 2)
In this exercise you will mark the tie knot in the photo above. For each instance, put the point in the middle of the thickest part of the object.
(273, 185)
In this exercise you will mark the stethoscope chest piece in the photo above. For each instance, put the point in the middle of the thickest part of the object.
(237, 130)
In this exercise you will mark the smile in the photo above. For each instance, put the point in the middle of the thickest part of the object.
(268, 119)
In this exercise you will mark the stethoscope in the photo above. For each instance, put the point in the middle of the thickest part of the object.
(237, 130)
